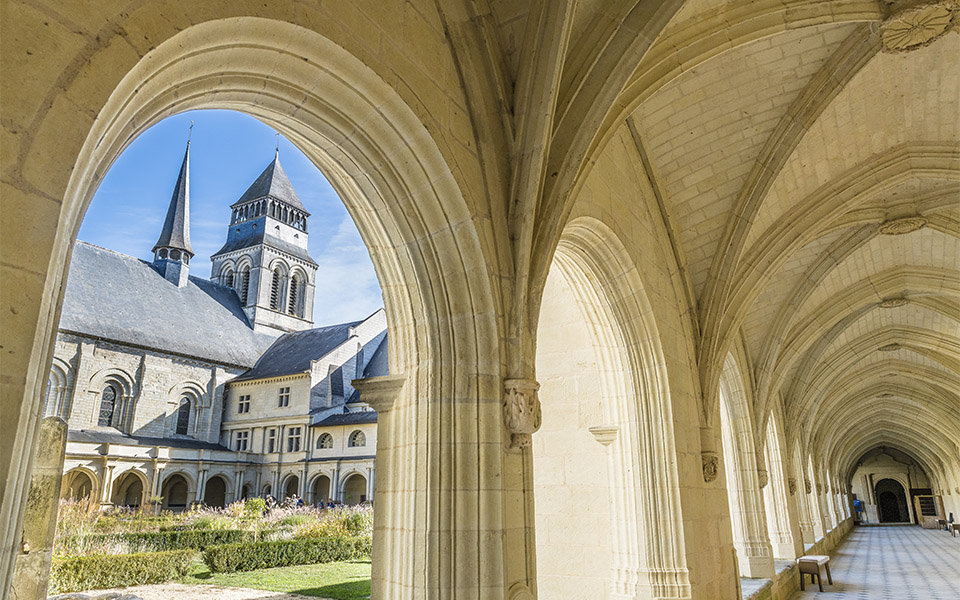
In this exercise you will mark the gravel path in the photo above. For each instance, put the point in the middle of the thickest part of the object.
(179, 591)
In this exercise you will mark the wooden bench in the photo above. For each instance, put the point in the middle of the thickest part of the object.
(810, 565)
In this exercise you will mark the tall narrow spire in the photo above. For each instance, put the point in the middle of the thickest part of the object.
(176, 228)
(172, 252)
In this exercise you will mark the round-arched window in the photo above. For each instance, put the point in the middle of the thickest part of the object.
(108, 402)
(357, 439)
(183, 416)
(324, 441)
(175, 255)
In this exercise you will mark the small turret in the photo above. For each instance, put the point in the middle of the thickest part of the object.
(172, 252)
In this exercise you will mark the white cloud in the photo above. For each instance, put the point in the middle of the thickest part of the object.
(347, 286)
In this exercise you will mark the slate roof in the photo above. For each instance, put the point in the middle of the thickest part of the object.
(115, 437)
(124, 299)
(272, 182)
(351, 418)
(176, 227)
(257, 236)
(293, 352)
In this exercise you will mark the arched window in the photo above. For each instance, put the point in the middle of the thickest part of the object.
(324, 441)
(108, 401)
(275, 299)
(183, 416)
(244, 284)
(357, 439)
(294, 297)
(228, 277)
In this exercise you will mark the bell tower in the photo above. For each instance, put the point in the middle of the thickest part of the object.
(265, 258)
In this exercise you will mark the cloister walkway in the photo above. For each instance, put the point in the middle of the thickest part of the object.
(901, 562)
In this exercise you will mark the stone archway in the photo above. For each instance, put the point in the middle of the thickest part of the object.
(215, 492)
(174, 493)
(600, 365)
(291, 487)
(354, 490)
(411, 212)
(891, 502)
(321, 489)
(129, 489)
(77, 485)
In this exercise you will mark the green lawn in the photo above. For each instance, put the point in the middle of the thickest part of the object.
(340, 580)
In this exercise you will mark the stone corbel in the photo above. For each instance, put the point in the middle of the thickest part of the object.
(792, 486)
(711, 465)
(763, 477)
(604, 434)
(807, 486)
(521, 410)
(380, 392)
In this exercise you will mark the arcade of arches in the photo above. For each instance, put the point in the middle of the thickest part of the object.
(668, 283)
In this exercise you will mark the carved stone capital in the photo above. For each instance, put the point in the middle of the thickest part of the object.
(604, 434)
(807, 486)
(792, 486)
(521, 410)
(711, 466)
(380, 392)
(913, 24)
(763, 477)
(820, 489)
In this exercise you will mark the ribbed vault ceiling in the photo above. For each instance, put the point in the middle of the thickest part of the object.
(779, 152)
(806, 293)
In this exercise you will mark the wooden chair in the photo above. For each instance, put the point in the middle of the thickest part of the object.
(810, 565)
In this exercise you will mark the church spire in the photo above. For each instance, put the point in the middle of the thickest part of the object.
(172, 252)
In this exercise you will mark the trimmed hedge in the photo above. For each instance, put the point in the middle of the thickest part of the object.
(265, 555)
(103, 571)
(184, 539)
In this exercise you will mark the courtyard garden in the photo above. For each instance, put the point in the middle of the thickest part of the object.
(308, 551)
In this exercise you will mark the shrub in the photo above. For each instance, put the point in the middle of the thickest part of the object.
(118, 543)
(254, 507)
(265, 555)
(339, 522)
(78, 573)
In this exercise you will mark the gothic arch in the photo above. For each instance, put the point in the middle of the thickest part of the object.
(68, 479)
(648, 545)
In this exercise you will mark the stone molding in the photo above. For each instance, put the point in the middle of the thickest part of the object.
(711, 466)
(604, 434)
(902, 225)
(914, 24)
(380, 392)
(893, 302)
(521, 410)
(893, 347)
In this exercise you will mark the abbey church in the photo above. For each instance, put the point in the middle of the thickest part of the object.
(179, 389)
(671, 287)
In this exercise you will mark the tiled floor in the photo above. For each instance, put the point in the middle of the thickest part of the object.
(903, 563)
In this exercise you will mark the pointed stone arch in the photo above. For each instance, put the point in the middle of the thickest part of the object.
(648, 546)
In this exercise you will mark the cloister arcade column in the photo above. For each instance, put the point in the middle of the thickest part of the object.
(780, 499)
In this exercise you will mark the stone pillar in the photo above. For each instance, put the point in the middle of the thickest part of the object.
(106, 489)
(370, 475)
(32, 569)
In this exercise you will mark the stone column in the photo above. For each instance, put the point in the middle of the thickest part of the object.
(370, 475)
(105, 491)
(32, 569)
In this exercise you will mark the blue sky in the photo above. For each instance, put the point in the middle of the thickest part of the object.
(228, 151)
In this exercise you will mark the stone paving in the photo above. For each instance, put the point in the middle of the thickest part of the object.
(903, 562)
